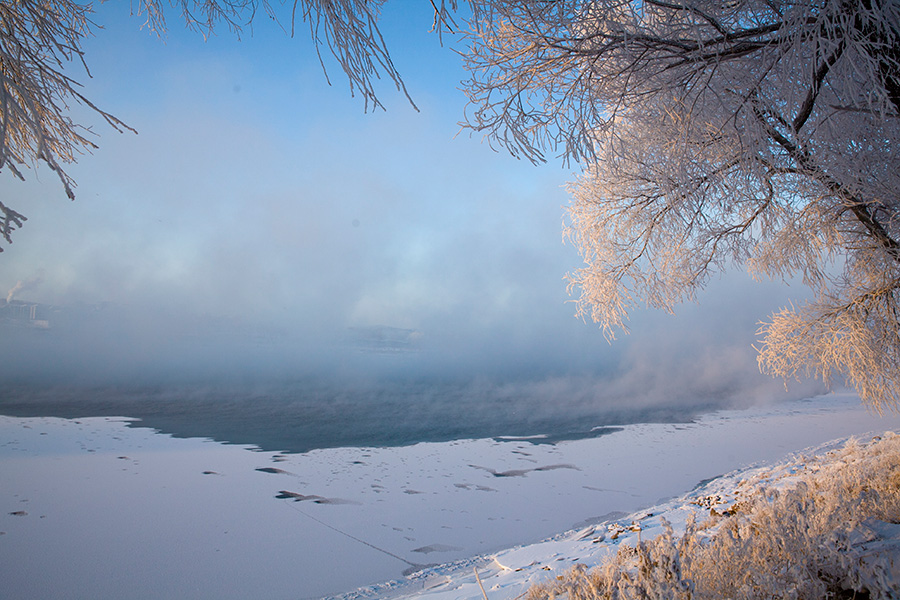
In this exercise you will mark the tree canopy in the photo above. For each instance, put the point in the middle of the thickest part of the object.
(709, 133)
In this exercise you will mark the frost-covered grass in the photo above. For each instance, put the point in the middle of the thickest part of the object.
(825, 528)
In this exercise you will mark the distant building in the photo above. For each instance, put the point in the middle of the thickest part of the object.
(24, 314)
(384, 339)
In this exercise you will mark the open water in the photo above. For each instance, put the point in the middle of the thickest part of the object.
(310, 414)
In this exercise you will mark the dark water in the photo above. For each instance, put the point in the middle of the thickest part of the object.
(305, 415)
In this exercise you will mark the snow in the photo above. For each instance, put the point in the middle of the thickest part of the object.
(93, 508)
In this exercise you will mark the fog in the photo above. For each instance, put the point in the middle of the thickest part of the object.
(261, 233)
(290, 388)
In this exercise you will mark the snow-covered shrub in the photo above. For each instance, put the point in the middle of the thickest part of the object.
(829, 529)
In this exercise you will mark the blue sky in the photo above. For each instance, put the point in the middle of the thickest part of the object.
(257, 196)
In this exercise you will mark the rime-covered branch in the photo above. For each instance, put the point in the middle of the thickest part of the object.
(10, 220)
(758, 132)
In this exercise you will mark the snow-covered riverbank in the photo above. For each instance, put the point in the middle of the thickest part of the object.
(92, 508)
(861, 548)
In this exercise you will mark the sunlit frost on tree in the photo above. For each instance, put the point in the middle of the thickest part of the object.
(755, 132)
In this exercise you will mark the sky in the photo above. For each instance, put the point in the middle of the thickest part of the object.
(262, 222)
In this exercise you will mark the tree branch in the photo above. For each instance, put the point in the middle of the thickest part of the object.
(818, 78)
(855, 204)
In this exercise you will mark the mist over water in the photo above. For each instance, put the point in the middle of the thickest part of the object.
(302, 416)
(306, 414)
(324, 383)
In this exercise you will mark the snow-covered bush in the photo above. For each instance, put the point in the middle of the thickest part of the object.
(828, 530)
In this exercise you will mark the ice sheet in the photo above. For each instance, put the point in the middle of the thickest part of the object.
(92, 508)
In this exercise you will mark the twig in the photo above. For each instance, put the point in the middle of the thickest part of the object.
(478, 579)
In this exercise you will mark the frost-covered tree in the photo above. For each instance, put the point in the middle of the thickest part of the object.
(762, 132)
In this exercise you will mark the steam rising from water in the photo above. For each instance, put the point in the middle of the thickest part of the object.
(294, 389)
(310, 413)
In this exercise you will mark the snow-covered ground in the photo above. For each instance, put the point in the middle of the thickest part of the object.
(92, 508)
(510, 573)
